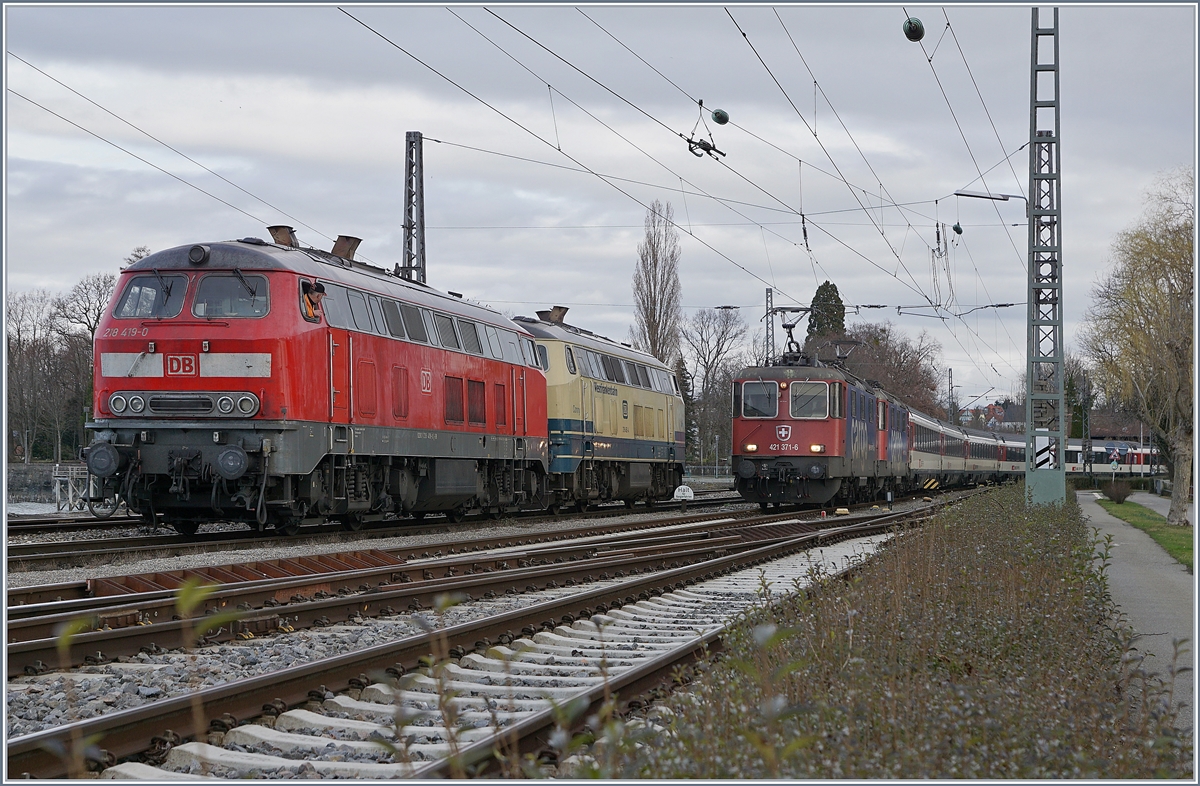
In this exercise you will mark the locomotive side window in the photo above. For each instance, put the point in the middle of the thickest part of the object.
(445, 331)
(231, 296)
(810, 400)
(512, 349)
(570, 356)
(612, 369)
(881, 407)
(494, 345)
(544, 356)
(336, 307)
(736, 397)
(377, 314)
(391, 315)
(760, 399)
(430, 327)
(835, 401)
(644, 376)
(413, 323)
(470, 337)
(153, 295)
(360, 312)
(527, 349)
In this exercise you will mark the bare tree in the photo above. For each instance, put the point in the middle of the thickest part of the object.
(141, 252)
(83, 307)
(905, 367)
(1138, 330)
(714, 337)
(30, 342)
(657, 293)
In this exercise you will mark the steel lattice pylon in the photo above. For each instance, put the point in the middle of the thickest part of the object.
(413, 268)
(1045, 424)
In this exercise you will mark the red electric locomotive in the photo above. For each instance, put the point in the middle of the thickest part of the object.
(227, 388)
(806, 433)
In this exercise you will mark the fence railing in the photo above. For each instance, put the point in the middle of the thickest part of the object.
(70, 487)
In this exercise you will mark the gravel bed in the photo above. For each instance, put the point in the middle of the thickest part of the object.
(35, 703)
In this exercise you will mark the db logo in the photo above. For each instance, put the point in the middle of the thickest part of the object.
(426, 381)
(783, 432)
(181, 365)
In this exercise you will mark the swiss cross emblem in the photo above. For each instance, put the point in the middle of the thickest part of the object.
(783, 432)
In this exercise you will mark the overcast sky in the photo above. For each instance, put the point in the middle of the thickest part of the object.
(556, 126)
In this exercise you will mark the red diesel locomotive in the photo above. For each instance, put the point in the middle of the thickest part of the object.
(222, 394)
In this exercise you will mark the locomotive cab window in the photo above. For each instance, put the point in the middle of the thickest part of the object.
(760, 399)
(237, 295)
(570, 356)
(810, 400)
(835, 401)
(544, 356)
(152, 295)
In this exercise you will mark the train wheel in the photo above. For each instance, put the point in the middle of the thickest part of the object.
(581, 506)
(187, 528)
(629, 503)
(493, 514)
(454, 516)
(352, 523)
(289, 526)
(762, 506)
(552, 510)
(420, 514)
(649, 503)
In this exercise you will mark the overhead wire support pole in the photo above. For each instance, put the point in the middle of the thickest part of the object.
(413, 268)
(1045, 434)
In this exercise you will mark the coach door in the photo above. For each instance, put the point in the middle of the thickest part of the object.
(340, 348)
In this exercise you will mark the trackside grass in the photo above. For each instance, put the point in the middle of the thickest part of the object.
(982, 645)
(1177, 541)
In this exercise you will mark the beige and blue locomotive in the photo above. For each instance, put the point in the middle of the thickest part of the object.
(615, 416)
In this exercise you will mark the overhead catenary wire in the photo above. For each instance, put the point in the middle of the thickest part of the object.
(535, 135)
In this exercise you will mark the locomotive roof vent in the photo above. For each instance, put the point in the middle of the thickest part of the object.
(555, 315)
(284, 236)
(345, 246)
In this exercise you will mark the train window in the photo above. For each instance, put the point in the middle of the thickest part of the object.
(527, 349)
(675, 384)
(359, 311)
(470, 337)
(445, 331)
(493, 339)
(391, 315)
(570, 357)
(881, 407)
(430, 327)
(454, 399)
(760, 399)
(736, 398)
(512, 349)
(612, 369)
(476, 407)
(594, 366)
(544, 356)
(377, 314)
(238, 295)
(835, 401)
(153, 295)
(337, 311)
(413, 323)
(810, 400)
(644, 376)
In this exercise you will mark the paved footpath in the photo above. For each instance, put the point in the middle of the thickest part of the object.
(1156, 594)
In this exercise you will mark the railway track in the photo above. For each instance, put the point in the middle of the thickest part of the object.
(44, 555)
(620, 634)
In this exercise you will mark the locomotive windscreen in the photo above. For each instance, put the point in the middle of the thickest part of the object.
(810, 400)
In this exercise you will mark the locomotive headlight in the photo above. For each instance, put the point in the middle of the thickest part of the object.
(117, 404)
(225, 405)
(247, 404)
(751, 448)
(136, 404)
(817, 448)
